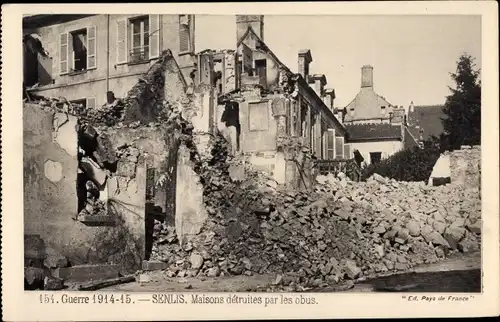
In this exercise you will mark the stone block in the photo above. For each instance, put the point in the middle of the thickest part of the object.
(125, 169)
(154, 265)
(93, 171)
(85, 273)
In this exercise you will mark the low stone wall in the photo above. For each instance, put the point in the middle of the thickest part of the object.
(462, 167)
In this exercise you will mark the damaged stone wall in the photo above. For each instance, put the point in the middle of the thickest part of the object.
(97, 202)
(51, 197)
(465, 166)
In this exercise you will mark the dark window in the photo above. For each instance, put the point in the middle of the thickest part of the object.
(261, 71)
(139, 48)
(79, 45)
(82, 102)
(375, 157)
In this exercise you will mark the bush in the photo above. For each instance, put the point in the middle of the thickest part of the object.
(413, 164)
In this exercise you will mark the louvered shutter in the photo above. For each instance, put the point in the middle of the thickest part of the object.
(183, 33)
(121, 38)
(91, 103)
(330, 144)
(339, 147)
(91, 47)
(347, 151)
(154, 36)
(63, 53)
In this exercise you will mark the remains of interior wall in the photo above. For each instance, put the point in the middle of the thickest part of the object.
(50, 196)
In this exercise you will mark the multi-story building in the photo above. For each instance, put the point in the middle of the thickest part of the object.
(93, 58)
(377, 129)
(264, 108)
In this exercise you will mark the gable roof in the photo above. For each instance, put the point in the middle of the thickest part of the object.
(426, 118)
(367, 105)
(261, 45)
(373, 132)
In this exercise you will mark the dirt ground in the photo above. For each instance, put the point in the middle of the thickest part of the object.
(462, 272)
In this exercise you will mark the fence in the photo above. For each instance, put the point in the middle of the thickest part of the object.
(348, 166)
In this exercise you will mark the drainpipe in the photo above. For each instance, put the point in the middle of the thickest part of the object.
(107, 55)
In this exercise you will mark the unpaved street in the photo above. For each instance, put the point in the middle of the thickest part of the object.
(462, 273)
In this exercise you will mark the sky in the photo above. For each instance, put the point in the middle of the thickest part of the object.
(412, 56)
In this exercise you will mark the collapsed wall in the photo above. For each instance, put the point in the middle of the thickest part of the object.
(90, 174)
(462, 167)
(340, 230)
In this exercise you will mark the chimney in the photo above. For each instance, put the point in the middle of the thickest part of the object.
(340, 115)
(412, 107)
(367, 76)
(329, 98)
(319, 82)
(305, 59)
(243, 22)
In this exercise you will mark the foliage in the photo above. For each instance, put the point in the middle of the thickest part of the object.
(414, 164)
(462, 123)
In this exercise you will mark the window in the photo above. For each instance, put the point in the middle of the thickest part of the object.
(382, 110)
(185, 33)
(79, 39)
(85, 103)
(330, 144)
(77, 50)
(375, 157)
(82, 102)
(261, 71)
(139, 39)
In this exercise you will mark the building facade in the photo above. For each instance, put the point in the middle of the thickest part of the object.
(377, 129)
(92, 58)
(264, 109)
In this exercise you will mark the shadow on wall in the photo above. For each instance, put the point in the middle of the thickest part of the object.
(231, 118)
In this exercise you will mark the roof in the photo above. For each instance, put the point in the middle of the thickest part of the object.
(373, 132)
(262, 46)
(426, 118)
(367, 105)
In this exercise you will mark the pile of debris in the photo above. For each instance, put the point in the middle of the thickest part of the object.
(340, 230)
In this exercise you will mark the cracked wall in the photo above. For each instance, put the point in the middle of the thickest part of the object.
(51, 169)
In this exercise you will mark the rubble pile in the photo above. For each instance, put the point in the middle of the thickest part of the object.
(340, 230)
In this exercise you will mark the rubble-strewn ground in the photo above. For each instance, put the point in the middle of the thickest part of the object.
(340, 231)
(463, 271)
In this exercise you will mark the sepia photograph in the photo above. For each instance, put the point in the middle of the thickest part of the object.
(252, 153)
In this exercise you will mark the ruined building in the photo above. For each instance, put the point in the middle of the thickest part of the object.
(271, 115)
(96, 179)
(377, 128)
(93, 58)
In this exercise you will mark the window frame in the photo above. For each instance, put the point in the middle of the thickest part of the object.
(71, 37)
(143, 21)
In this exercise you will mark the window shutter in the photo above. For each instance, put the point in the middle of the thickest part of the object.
(121, 38)
(91, 47)
(154, 36)
(91, 103)
(347, 151)
(63, 53)
(330, 144)
(183, 33)
(339, 147)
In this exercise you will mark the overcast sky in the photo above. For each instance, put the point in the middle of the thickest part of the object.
(412, 56)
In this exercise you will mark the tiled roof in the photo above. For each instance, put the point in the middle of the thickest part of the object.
(428, 118)
(373, 131)
(367, 105)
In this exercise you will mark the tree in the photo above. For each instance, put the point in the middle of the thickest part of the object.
(462, 124)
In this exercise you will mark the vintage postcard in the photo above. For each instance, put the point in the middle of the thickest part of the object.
(250, 161)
